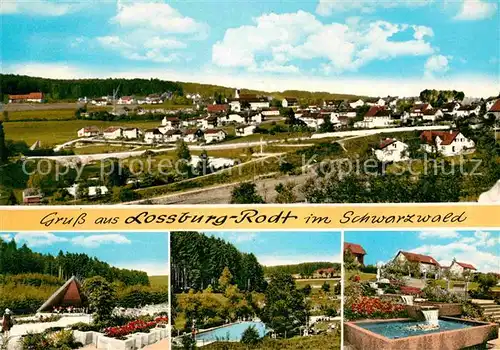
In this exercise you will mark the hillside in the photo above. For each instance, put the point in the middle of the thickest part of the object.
(71, 89)
(304, 269)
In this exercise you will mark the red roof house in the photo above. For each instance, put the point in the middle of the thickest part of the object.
(217, 108)
(447, 137)
(419, 258)
(356, 250)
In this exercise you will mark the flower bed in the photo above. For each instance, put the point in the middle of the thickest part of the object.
(410, 290)
(134, 327)
(368, 307)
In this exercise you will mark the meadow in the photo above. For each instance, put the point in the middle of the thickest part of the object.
(55, 132)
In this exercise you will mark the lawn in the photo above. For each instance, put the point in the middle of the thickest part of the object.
(101, 148)
(328, 341)
(444, 284)
(364, 276)
(51, 133)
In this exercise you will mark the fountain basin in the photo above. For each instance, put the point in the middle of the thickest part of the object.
(453, 333)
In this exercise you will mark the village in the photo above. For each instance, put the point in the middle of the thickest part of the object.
(271, 124)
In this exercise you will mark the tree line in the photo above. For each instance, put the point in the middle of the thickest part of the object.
(303, 269)
(16, 260)
(198, 261)
(72, 89)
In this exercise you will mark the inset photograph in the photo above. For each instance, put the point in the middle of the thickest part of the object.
(421, 290)
(262, 290)
(89, 291)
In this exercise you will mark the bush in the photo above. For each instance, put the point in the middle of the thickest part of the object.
(250, 336)
(136, 296)
(49, 339)
(369, 269)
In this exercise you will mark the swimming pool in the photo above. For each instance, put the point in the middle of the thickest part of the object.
(231, 332)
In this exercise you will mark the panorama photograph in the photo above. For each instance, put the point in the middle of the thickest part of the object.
(89, 291)
(209, 102)
(256, 290)
(425, 289)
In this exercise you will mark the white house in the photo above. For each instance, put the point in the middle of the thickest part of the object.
(92, 191)
(375, 102)
(154, 99)
(312, 120)
(426, 263)
(192, 135)
(450, 108)
(125, 100)
(270, 112)
(349, 113)
(260, 104)
(231, 118)
(235, 105)
(113, 132)
(465, 111)
(255, 118)
(169, 123)
(153, 136)
(36, 97)
(357, 103)
(418, 109)
(447, 143)
(214, 135)
(432, 114)
(244, 130)
(88, 131)
(392, 150)
(289, 102)
(99, 102)
(172, 136)
(208, 123)
(132, 133)
(458, 268)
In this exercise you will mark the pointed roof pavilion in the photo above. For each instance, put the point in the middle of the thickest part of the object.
(68, 295)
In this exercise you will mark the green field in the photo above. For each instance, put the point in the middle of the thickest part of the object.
(51, 133)
(159, 280)
(53, 114)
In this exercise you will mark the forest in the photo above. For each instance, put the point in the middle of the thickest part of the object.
(71, 90)
(16, 260)
(303, 269)
(198, 261)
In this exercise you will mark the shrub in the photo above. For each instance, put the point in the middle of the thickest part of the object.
(250, 336)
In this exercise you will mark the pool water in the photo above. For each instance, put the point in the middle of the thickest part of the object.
(232, 332)
(401, 329)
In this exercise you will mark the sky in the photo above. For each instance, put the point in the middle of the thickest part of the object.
(369, 47)
(144, 251)
(479, 248)
(286, 247)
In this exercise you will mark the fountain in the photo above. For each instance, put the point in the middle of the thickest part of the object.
(431, 316)
(407, 299)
